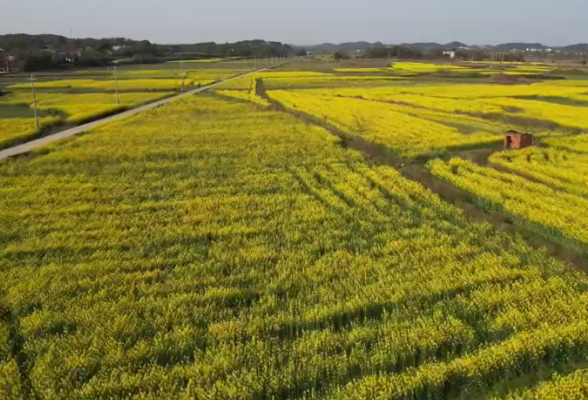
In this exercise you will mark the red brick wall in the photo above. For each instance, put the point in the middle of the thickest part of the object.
(517, 141)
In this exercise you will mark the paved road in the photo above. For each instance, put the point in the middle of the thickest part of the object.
(26, 147)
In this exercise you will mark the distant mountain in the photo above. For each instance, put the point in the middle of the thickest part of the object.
(578, 48)
(352, 47)
(358, 45)
(455, 44)
(519, 46)
(423, 45)
(431, 47)
(427, 46)
(362, 46)
(344, 47)
(24, 41)
(321, 48)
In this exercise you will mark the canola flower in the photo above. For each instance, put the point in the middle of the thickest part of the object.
(424, 67)
(381, 71)
(245, 82)
(123, 84)
(476, 91)
(330, 82)
(580, 83)
(491, 101)
(175, 261)
(379, 122)
(573, 386)
(361, 70)
(248, 95)
(290, 74)
(578, 143)
(449, 112)
(82, 107)
(505, 68)
(567, 171)
(18, 130)
(564, 115)
(209, 249)
(549, 212)
(198, 74)
(391, 94)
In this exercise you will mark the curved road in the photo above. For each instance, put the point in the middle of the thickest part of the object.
(33, 144)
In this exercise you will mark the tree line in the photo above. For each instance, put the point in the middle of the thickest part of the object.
(42, 52)
(408, 52)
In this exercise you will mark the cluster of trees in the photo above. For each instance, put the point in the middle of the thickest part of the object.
(42, 52)
(392, 51)
(245, 48)
(412, 52)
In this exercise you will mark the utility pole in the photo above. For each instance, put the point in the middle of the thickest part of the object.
(35, 103)
(181, 65)
(115, 85)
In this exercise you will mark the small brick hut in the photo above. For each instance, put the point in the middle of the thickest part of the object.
(514, 140)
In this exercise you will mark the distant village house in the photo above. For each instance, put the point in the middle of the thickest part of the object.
(8, 63)
(450, 53)
(69, 56)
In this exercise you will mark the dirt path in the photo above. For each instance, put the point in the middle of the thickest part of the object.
(33, 144)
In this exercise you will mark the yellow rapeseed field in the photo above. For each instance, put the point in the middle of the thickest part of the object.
(572, 386)
(395, 95)
(380, 122)
(238, 253)
(123, 84)
(549, 211)
(82, 107)
(424, 67)
(248, 95)
(532, 102)
(578, 143)
(17, 130)
(330, 82)
(564, 115)
(568, 171)
(228, 246)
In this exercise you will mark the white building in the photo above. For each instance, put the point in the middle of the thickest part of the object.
(449, 53)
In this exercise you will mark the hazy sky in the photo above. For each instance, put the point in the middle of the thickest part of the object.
(552, 22)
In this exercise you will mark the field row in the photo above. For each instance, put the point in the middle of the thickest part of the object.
(548, 211)
(216, 248)
(427, 120)
(240, 253)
